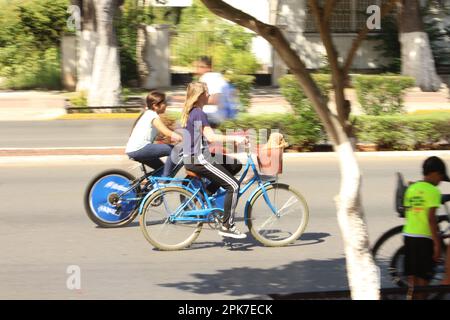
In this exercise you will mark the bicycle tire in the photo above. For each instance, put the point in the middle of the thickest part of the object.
(268, 238)
(93, 214)
(396, 275)
(152, 203)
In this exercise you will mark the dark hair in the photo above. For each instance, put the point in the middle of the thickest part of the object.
(154, 97)
(435, 164)
(206, 60)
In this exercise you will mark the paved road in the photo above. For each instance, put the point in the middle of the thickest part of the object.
(43, 230)
(64, 133)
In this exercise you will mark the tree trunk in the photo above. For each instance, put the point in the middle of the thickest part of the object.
(362, 273)
(143, 65)
(416, 54)
(105, 83)
(87, 42)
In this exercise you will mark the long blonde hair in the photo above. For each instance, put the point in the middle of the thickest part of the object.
(193, 92)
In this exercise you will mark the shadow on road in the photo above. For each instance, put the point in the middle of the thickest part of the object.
(301, 276)
(249, 243)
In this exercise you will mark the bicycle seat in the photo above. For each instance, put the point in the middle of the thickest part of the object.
(192, 174)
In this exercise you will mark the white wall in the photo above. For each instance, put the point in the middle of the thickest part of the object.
(69, 62)
(260, 9)
(292, 16)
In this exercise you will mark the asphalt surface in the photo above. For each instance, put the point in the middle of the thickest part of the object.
(44, 230)
(64, 133)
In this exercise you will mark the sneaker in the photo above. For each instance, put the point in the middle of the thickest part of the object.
(231, 232)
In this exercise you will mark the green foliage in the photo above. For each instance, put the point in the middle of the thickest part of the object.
(381, 94)
(298, 132)
(438, 34)
(438, 31)
(243, 84)
(202, 33)
(79, 99)
(45, 20)
(390, 46)
(301, 105)
(127, 22)
(403, 132)
(30, 33)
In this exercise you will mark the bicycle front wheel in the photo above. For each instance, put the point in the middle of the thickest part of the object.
(161, 215)
(277, 217)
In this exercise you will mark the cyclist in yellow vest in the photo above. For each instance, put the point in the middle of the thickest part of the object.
(422, 244)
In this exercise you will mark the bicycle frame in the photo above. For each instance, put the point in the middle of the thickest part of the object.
(196, 187)
(153, 179)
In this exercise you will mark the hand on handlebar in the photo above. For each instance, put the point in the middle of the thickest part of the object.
(176, 137)
(241, 139)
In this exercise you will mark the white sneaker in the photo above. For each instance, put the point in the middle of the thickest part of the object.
(231, 232)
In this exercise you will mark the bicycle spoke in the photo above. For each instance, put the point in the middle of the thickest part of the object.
(287, 205)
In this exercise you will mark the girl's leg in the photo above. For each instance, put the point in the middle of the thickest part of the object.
(150, 154)
(169, 165)
(221, 177)
(232, 165)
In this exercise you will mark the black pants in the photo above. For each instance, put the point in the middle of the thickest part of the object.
(221, 174)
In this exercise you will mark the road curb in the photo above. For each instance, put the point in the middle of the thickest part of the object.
(87, 155)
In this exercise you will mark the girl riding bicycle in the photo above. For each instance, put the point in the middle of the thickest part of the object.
(141, 146)
(199, 160)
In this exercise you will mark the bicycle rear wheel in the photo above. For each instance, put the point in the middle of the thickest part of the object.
(156, 219)
(106, 201)
(287, 225)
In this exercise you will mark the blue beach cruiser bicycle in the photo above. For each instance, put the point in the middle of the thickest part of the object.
(172, 216)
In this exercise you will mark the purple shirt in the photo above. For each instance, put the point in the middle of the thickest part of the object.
(196, 144)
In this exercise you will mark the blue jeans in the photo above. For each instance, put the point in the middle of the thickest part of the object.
(150, 155)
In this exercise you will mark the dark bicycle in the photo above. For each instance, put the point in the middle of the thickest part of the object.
(389, 251)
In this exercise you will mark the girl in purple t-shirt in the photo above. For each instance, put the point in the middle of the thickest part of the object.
(198, 159)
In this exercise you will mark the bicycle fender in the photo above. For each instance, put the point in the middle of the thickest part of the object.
(249, 200)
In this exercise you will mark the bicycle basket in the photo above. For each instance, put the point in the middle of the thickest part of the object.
(270, 160)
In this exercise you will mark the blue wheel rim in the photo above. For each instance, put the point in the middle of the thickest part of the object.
(106, 188)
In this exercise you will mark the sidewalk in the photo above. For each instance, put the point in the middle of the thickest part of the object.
(31, 105)
(40, 105)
